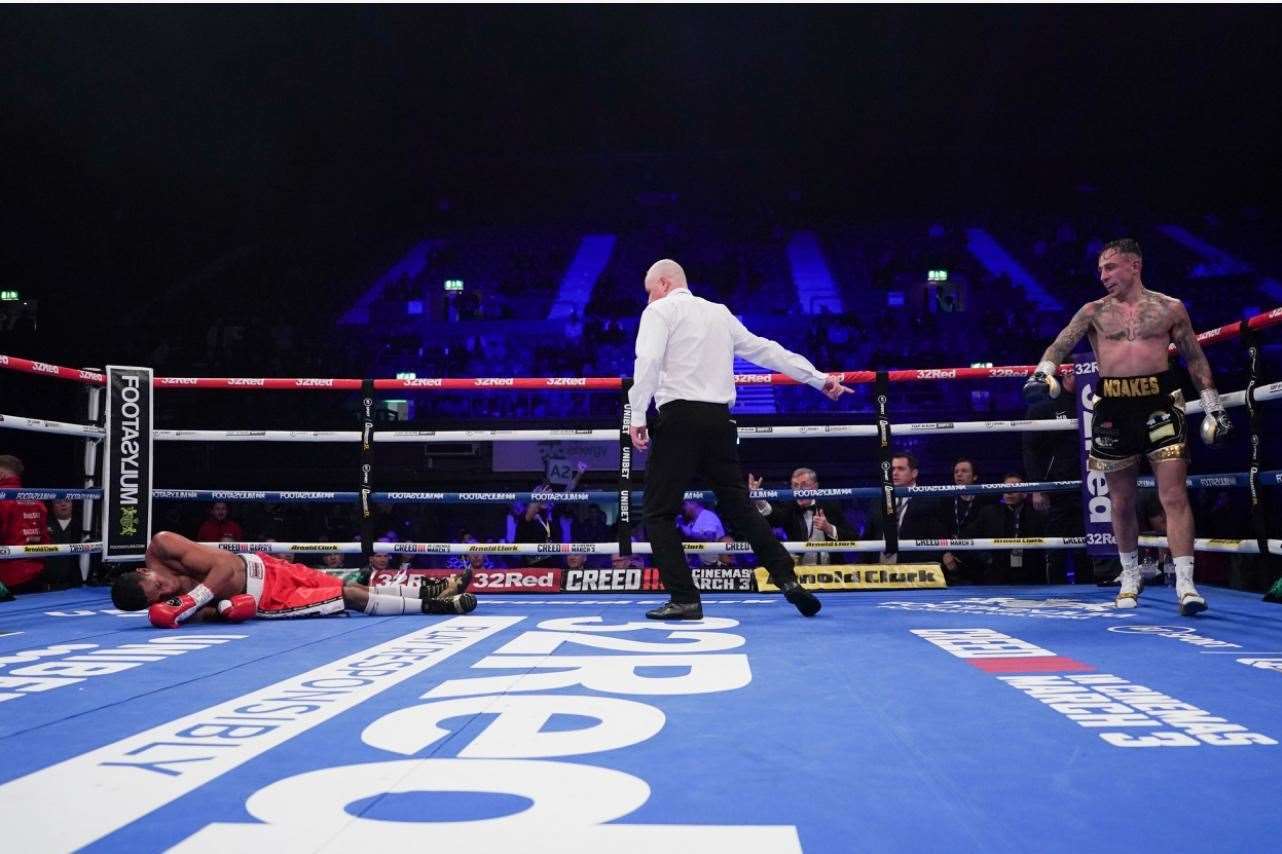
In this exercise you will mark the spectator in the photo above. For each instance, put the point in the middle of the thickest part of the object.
(916, 518)
(333, 563)
(62, 527)
(725, 559)
(575, 560)
(376, 570)
(64, 572)
(476, 561)
(806, 519)
(22, 523)
(1055, 455)
(589, 524)
(534, 526)
(627, 562)
(218, 527)
(1014, 517)
(961, 519)
(287, 556)
(698, 524)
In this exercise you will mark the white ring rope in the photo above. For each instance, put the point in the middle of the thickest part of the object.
(1272, 391)
(1234, 546)
(44, 425)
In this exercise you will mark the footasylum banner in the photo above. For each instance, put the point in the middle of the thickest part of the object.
(126, 464)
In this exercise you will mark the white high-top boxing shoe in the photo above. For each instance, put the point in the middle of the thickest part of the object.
(1191, 602)
(1129, 595)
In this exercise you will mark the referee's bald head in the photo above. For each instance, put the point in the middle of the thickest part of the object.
(663, 277)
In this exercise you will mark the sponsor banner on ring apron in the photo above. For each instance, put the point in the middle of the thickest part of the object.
(1097, 507)
(126, 464)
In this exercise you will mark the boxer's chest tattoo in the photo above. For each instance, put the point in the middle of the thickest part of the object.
(1147, 319)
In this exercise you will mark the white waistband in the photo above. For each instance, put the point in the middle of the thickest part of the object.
(255, 575)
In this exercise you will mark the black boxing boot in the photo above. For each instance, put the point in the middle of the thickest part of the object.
(439, 588)
(464, 603)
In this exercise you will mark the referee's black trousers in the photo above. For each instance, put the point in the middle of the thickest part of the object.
(686, 438)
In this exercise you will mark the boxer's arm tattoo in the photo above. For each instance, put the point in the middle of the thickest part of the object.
(1068, 338)
(1186, 342)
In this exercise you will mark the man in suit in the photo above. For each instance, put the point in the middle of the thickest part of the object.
(917, 517)
(1014, 517)
(961, 518)
(806, 519)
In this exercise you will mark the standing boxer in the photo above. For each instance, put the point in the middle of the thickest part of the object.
(1140, 411)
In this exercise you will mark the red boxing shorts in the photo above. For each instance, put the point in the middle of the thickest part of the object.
(283, 589)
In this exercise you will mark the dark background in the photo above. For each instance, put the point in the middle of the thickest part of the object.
(149, 150)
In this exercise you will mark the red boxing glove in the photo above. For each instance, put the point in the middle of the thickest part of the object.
(238, 608)
(171, 612)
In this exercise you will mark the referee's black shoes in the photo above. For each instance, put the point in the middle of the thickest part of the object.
(677, 611)
(807, 603)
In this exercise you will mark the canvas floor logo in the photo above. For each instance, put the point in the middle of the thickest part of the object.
(1015, 606)
(1183, 634)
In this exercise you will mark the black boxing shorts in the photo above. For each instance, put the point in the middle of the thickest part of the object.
(1137, 416)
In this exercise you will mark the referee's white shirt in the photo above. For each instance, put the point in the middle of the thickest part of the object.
(686, 347)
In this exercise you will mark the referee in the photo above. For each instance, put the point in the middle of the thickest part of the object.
(685, 361)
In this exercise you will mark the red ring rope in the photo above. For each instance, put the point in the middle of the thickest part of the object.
(14, 363)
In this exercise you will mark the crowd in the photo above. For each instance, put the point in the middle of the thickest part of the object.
(1046, 456)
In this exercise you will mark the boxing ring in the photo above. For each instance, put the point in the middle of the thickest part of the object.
(975, 719)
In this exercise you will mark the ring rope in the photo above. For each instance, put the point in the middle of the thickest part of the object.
(1273, 391)
(1194, 481)
(1235, 546)
(15, 363)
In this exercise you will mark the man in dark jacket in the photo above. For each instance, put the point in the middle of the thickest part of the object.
(961, 519)
(806, 519)
(917, 517)
(1014, 517)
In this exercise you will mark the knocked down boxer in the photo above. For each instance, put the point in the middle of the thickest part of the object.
(183, 580)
